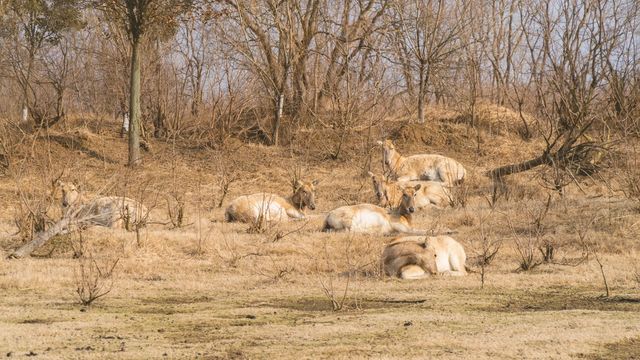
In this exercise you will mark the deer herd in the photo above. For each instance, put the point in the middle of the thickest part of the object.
(412, 183)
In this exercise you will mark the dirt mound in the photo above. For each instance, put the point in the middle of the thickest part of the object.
(438, 135)
(500, 120)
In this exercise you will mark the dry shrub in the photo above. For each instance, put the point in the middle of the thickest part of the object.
(94, 278)
(176, 207)
(231, 251)
(459, 195)
(31, 217)
(340, 263)
(526, 248)
(485, 245)
(35, 211)
(277, 268)
(582, 161)
(176, 196)
(592, 245)
(227, 172)
(333, 289)
(531, 238)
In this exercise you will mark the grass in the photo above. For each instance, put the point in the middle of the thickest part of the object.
(624, 349)
(211, 290)
(228, 315)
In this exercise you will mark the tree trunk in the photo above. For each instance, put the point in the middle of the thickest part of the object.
(421, 109)
(300, 85)
(134, 106)
(41, 238)
(276, 126)
(520, 167)
(25, 89)
(422, 92)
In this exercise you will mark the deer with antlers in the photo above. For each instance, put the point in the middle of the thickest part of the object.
(367, 218)
(271, 207)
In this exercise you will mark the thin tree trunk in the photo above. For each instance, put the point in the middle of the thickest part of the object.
(422, 92)
(25, 89)
(421, 109)
(134, 106)
(276, 126)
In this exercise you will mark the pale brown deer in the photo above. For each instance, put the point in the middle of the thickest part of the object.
(271, 207)
(368, 218)
(107, 211)
(414, 257)
(421, 167)
(389, 193)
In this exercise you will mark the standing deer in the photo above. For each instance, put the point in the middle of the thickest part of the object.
(421, 167)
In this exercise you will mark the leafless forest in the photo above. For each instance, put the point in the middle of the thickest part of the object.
(184, 105)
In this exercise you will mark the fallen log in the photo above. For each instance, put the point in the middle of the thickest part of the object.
(41, 238)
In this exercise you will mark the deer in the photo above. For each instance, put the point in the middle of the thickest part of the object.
(107, 211)
(430, 167)
(271, 207)
(389, 193)
(368, 218)
(416, 257)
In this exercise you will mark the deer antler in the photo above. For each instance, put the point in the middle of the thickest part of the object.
(296, 177)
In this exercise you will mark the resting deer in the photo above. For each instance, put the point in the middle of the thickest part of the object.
(421, 167)
(271, 207)
(414, 257)
(107, 211)
(389, 193)
(367, 218)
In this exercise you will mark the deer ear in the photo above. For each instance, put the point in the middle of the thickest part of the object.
(379, 142)
(315, 182)
(58, 183)
(417, 187)
(371, 174)
(297, 184)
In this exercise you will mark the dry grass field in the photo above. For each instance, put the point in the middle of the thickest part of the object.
(213, 290)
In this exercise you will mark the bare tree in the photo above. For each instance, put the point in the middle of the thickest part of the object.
(33, 26)
(427, 38)
(503, 37)
(347, 39)
(273, 42)
(141, 19)
(568, 57)
(193, 39)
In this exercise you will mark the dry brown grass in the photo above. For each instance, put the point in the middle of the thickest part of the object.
(211, 289)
